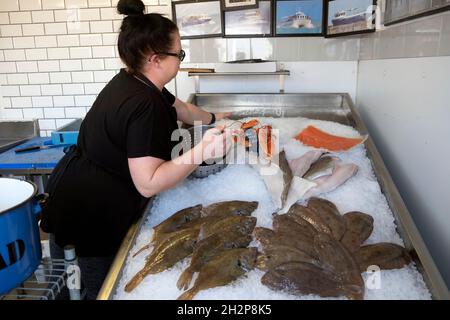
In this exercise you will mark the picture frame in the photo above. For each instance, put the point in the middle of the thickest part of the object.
(198, 18)
(256, 22)
(294, 18)
(232, 5)
(398, 11)
(349, 17)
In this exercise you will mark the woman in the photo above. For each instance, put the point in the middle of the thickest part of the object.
(123, 155)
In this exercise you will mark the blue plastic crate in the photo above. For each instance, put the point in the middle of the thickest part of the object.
(67, 134)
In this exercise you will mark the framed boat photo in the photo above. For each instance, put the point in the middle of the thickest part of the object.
(231, 5)
(299, 18)
(347, 17)
(255, 22)
(403, 10)
(198, 19)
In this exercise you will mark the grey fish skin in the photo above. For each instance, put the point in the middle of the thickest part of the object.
(322, 167)
(359, 227)
(298, 228)
(212, 226)
(175, 247)
(235, 207)
(222, 270)
(305, 278)
(232, 232)
(328, 212)
(287, 176)
(277, 254)
(384, 255)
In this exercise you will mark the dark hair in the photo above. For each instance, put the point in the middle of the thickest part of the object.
(141, 34)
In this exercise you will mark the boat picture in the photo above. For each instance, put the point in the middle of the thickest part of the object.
(298, 20)
(194, 20)
(348, 17)
(303, 17)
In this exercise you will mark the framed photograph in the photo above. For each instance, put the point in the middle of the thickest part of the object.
(198, 19)
(403, 10)
(347, 17)
(299, 17)
(255, 22)
(231, 5)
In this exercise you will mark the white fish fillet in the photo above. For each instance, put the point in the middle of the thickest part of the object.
(301, 165)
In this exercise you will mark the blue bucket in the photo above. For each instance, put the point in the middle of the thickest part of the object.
(20, 246)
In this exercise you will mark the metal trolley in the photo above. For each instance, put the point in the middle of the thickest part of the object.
(336, 107)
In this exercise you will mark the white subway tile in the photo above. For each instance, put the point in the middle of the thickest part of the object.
(80, 53)
(116, 25)
(51, 89)
(114, 3)
(9, 5)
(63, 101)
(2, 56)
(150, 2)
(22, 102)
(48, 66)
(35, 113)
(20, 17)
(56, 28)
(91, 39)
(12, 114)
(93, 88)
(54, 113)
(84, 101)
(42, 16)
(42, 102)
(66, 15)
(83, 76)
(99, 3)
(46, 42)
(110, 14)
(113, 64)
(38, 78)
(30, 90)
(30, 5)
(78, 27)
(89, 14)
(73, 89)
(11, 30)
(17, 78)
(164, 10)
(14, 55)
(4, 18)
(29, 66)
(110, 39)
(103, 76)
(68, 41)
(164, 2)
(76, 4)
(63, 122)
(93, 64)
(33, 29)
(47, 124)
(5, 103)
(4, 80)
(101, 26)
(79, 112)
(24, 42)
(36, 54)
(71, 65)
(8, 67)
(52, 4)
(60, 77)
(10, 91)
(103, 52)
(58, 53)
(6, 43)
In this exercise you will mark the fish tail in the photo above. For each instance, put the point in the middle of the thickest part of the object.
(188, 295)
(141, 249)
(185, 279)
(137, 279)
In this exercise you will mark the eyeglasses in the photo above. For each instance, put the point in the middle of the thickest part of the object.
(180, 55)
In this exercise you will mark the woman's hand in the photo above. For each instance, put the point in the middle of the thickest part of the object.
(216, 143)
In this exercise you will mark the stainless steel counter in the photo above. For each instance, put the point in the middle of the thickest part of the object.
(332, 107)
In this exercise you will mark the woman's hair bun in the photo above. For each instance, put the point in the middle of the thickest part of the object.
(130, 7)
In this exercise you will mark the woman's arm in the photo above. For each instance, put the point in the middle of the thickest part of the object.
(188, 113)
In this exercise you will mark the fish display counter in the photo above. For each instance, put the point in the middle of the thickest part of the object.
(376, 228)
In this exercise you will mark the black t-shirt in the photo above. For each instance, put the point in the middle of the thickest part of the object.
(93, 200)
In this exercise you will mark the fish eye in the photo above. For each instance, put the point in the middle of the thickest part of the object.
(239, 263)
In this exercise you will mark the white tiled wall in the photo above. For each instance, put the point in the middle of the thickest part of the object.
(57, 55)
